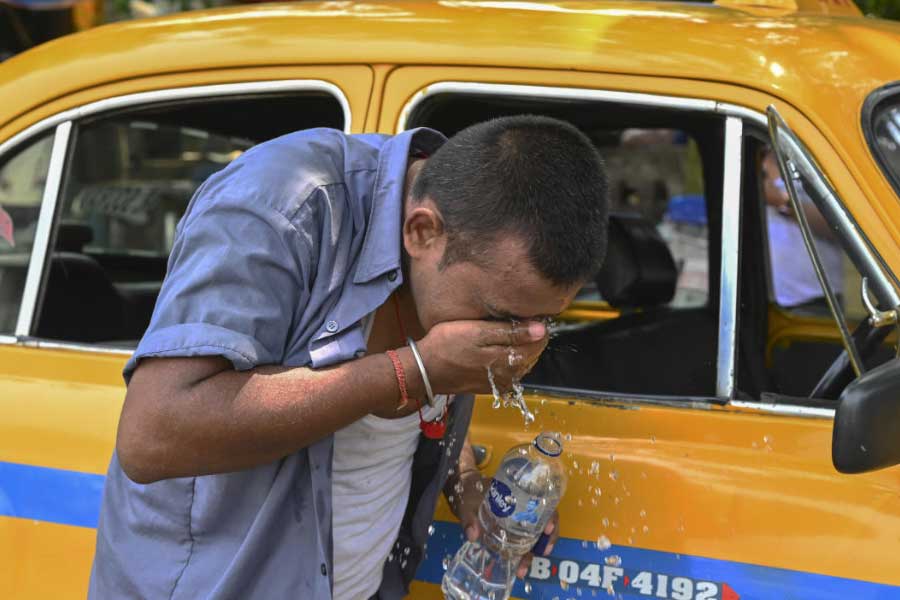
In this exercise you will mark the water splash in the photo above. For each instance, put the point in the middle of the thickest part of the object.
(513, 397)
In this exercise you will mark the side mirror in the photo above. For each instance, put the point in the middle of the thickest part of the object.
(866, 432)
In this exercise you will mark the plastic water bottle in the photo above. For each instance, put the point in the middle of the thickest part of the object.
(516, 508)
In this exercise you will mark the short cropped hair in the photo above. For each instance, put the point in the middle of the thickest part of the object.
(536, 177)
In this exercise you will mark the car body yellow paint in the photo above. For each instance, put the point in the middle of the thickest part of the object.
(729, 482)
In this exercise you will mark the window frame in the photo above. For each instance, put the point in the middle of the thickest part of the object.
(63, 123)
(870, 106)
(731, 197)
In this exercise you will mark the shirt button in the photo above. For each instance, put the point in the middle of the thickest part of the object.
(323, 569)
(331, 326)
(392, 276)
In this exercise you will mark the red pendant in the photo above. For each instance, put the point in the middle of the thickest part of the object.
(434, 430)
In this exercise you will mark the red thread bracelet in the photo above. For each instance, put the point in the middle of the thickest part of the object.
(401, 379)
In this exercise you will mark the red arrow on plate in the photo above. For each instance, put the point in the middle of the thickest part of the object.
(6, 227)
(728, 593)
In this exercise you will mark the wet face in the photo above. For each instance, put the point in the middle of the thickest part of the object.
(500, 284)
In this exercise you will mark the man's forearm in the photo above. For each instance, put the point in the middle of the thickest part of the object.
(186, 417)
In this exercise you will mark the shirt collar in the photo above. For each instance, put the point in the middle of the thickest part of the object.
(381, 246)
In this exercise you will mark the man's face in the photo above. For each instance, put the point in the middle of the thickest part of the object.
(501, 285)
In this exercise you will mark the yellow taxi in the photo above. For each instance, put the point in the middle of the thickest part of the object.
(733, 364)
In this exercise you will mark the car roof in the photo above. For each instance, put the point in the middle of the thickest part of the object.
(800, 57)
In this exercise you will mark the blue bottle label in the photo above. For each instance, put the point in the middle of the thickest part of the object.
(501, 499)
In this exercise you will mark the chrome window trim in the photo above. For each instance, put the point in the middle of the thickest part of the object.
(44, 229)
(731, 231)
(64, 120)
(787, 410)
(183, 93)
(75, 347)
(562, 93)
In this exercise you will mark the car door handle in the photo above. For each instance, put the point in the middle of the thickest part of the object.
(482, 455)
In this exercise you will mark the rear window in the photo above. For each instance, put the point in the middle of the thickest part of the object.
(882, 120)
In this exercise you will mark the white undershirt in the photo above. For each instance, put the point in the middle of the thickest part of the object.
(371, 477)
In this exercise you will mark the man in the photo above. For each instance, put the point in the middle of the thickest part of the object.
(270, 444)
(794, 280)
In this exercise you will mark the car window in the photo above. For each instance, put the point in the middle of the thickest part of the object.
(885, 136)
(23, 174)
(648, 324)
(128, 182)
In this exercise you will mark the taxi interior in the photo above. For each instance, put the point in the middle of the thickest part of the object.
(651, 317)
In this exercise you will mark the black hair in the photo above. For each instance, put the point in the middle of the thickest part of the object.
(533, 176)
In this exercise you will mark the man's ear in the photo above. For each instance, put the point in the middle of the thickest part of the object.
(423, 230)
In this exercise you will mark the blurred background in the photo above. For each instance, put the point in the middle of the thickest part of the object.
(27, 23)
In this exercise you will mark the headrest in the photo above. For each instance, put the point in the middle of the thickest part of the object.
(73, 237)
(639, 270)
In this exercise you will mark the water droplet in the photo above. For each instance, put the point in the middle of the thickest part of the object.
(584, 543)
(603, 543)
(568, 437)
(527, 587)
(605, 522)
(645, 529)
(595, 468)
(479, 485)
(575, 464)
(614, 560)
(580, 503)
(862, 448)
(616, 500)
(630, 541)
(598, 492)
(767, 439)
(612, 458)
(613, 475)
(652, 439)
(643, 514)
(391, 558)
(593, 501)
(403, 564)
(446, 562)
(450, 499)
(431, 530)
(633, 530)
(406, 551)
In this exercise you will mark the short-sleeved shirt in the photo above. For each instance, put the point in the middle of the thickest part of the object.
(277, 260)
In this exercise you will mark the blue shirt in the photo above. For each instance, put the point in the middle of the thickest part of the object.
(277, 259)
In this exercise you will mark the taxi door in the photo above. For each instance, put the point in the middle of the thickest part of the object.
(83, 248)
(692, 475)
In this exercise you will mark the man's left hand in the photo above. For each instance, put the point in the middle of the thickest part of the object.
(467, 497)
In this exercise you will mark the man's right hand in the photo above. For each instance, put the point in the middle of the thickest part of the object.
(457, 354)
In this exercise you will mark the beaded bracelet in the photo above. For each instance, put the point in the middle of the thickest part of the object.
(401, 379)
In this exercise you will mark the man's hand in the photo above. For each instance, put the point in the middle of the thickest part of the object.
(465, 499)
(457, 354)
